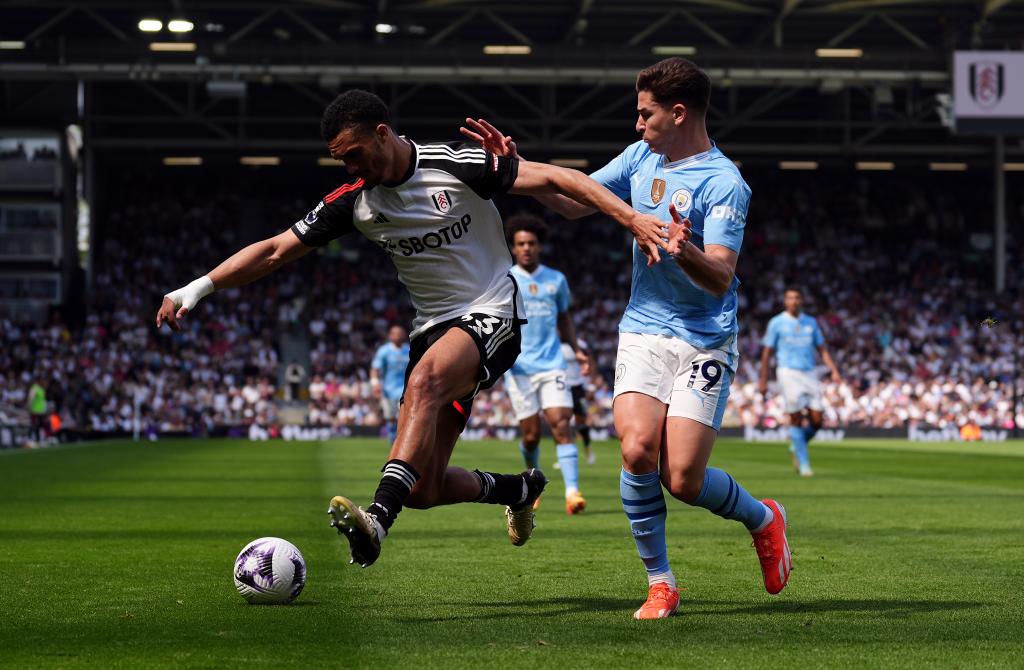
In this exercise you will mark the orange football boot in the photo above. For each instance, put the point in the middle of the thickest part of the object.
(575, 503)
(773, 549)
(662, 602)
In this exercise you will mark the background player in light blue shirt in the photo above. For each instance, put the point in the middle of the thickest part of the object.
(538, 379)
(677, 338)
(794, 337)
(387, 376)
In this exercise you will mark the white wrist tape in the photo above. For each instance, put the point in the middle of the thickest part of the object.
(188, 296)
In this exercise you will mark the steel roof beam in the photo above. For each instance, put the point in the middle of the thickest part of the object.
(737, 76)
(902, 30)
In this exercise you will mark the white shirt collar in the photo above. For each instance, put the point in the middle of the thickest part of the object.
(689, 160)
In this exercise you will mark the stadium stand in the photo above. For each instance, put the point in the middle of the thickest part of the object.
(919, 339)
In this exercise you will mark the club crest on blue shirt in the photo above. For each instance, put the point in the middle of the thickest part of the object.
(533, 289)
(682, 199)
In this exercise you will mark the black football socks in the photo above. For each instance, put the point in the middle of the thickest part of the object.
(497, 489)
(398, 480)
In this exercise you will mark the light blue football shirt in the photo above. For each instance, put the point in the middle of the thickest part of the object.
(546, 295)
(794, 339)
(391, 361)
(709, 190)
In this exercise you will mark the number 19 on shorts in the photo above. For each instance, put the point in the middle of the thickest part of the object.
(710, 370)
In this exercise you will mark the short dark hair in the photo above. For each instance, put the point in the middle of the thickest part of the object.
(676, 80)
(526, 222)
(353, 109)
(795, 289)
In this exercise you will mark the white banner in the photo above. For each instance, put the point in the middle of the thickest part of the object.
(988, 91)
(781, 434)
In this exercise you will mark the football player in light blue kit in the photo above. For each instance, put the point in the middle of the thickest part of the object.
(794, 337)
(677, 344)
(538, 380)
(387, 376)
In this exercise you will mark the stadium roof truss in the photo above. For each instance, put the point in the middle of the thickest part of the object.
(261, 72)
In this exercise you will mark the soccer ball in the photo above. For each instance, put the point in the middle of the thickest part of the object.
(270, 571)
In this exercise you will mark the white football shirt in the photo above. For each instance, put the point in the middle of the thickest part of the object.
(438, 226)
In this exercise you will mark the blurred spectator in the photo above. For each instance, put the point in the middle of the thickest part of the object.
(893, 268)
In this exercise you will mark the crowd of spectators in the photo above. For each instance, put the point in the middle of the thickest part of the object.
(898, 272)
(113, 371)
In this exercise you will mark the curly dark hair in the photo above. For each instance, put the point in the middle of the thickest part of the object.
(676, 80)
(353, 109)
(528, 222)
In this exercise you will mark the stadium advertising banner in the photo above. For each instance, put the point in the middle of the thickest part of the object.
(988, 91)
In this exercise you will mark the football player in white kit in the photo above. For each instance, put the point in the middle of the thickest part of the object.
(537, 381)
(428, 207)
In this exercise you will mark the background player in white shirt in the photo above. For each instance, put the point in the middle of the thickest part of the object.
(537, 382)
(429, 209)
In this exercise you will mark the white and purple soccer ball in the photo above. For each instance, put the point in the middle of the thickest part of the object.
(270, 571)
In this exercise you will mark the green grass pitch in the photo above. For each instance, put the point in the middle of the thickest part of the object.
(119, 555)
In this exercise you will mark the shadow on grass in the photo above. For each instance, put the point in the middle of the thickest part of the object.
(868, 606)
(556, 607)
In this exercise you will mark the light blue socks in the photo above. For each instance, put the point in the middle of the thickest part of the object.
(568, 460)
(644, 505)
(798, 436)
(721, 495)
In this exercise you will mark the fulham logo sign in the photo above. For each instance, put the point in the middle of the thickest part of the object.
(442, 201)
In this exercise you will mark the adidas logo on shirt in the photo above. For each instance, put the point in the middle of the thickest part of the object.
(380, 218)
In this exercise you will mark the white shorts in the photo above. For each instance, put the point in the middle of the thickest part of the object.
(389, 408)
(693, 382)
(800, 389)
(532, 393)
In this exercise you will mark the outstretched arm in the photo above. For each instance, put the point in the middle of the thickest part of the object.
(244, 266)
(567, 207)
(492, 139)
(258, 260)
(650, 232)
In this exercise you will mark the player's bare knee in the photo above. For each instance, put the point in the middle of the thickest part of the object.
(562, 431)
(686, 485)
(531, 441)
(639, 456)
